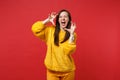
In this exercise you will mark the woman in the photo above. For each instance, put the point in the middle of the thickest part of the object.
(61, 43)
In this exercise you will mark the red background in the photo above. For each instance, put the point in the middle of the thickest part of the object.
(22, 54)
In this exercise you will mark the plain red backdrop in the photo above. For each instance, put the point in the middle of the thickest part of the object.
(22, 54)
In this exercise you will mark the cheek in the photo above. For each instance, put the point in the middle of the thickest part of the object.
(59, 20)
(67, 20)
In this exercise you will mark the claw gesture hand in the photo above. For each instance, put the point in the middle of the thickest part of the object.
(72, 28)
(51, 17)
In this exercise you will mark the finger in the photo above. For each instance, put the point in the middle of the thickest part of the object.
(49, 15)
(71, 23)
(74, 25)
(56, 15)
(53, 13)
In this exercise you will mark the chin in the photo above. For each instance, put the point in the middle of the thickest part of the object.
(63, 27)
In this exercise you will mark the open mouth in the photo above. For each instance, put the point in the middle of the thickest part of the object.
(63, 23)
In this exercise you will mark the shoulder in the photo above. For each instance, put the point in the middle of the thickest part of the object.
(51, 27)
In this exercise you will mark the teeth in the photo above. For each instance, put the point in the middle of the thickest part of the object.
(63, 22)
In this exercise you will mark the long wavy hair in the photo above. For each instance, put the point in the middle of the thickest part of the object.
(57, 28)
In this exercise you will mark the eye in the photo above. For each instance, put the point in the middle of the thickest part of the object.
(60, 16)
(65, 16)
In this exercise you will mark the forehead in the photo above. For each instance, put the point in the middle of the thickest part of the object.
(63, 13)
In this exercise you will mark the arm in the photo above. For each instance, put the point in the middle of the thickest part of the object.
(40, 30)
(71, 38)
(69, 47)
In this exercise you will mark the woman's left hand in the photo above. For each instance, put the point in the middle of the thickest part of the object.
(72, 28)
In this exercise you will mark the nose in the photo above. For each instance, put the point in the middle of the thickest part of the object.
(63, 18)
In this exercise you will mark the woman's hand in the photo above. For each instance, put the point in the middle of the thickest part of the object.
(72, 28)
(71, 31)
(50, 18)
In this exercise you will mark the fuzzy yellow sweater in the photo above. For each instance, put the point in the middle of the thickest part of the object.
(58, 58)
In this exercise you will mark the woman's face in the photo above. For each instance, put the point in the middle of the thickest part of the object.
(63, 19)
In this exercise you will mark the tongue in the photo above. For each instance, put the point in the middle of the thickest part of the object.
(63, 23)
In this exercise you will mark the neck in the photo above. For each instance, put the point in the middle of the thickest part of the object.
(62, 29)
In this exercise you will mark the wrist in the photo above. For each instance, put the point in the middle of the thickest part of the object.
(71, 34)
(71, 38)
(46, 21)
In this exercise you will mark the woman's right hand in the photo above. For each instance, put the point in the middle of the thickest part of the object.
(51, 17)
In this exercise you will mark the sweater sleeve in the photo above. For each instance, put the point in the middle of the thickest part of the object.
(40, 30)
(69, 48)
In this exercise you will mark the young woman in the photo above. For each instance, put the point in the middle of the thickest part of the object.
(61, 43)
